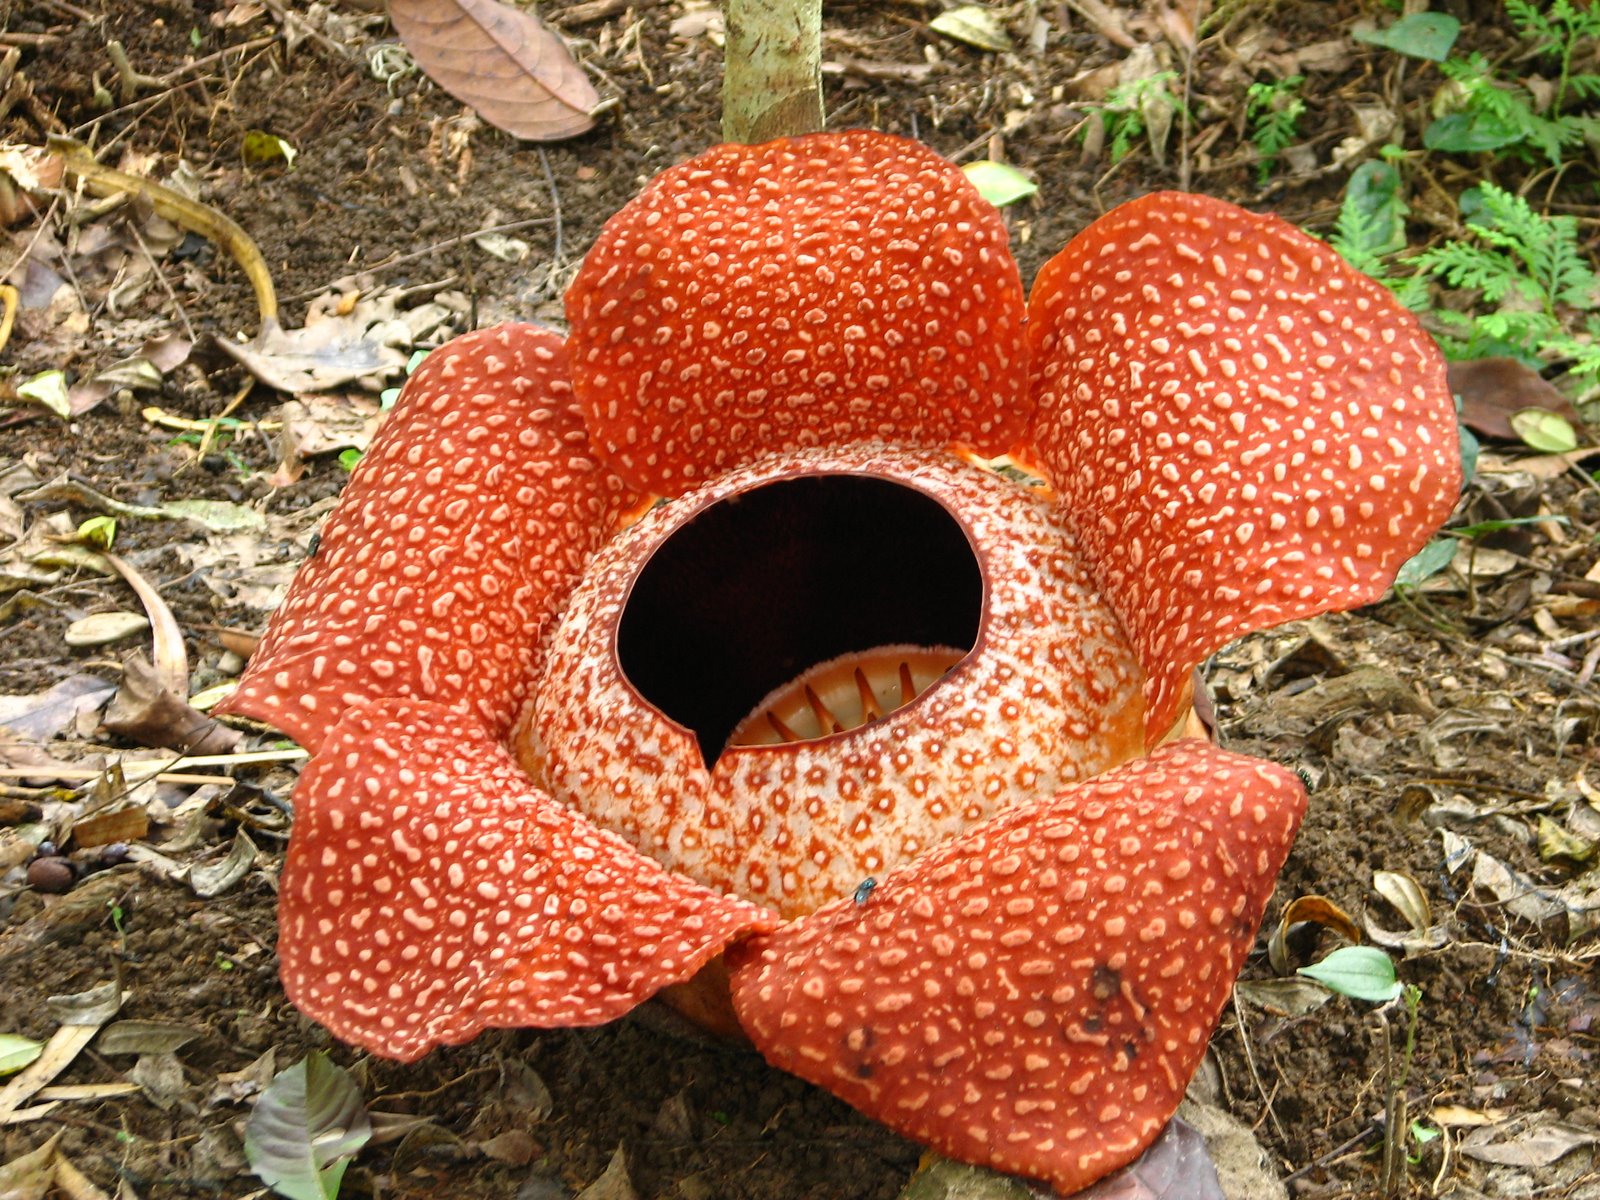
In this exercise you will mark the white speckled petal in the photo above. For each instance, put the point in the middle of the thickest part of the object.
(1035, 994)
(806, 291)
(432, 891)
(1242, 429)
(455, 542)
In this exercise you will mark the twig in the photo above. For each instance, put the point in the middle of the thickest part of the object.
(72, 10)
(129, 81)
(555, 204)
(169, 81)
(36, 41)
(8, 297)
(413, 255)
(1250, 1061)
(599, 10)
(155, 269)
(86, 773)
(1339, 1151)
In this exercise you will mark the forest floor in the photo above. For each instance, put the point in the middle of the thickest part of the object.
(1446, 732)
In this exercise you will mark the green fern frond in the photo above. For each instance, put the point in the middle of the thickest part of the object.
(1462, 265)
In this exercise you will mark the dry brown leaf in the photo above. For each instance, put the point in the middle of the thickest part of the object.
(1493, 390)
(148, 712)
(1534, 1141)
(1317, 910)
(123, 825)
(514, 72)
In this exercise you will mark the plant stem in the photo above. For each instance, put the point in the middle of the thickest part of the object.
(772, 83)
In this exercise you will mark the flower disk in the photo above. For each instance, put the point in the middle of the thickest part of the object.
(1049, 694)
(809, 291)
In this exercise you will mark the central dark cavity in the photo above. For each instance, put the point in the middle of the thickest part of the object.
(763, 585)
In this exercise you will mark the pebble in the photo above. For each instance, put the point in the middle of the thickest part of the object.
(51, 873)
(101, 628)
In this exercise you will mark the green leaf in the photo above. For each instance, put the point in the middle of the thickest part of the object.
(1470, 133)
(1426, 35)
(1426, 563)
(1372, 216)
(1546, 432)
(1361, 972)
(349, 458)
(1469, 453)
(98, 532)
(1479, 528)
(305, 1128)
(998, 183)
(260, 148)
(48, 390)
(16, 1052)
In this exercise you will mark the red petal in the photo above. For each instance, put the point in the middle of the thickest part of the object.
(1246, 430)
(814, 290)
(431, 892)
(1035, 994)
(460, 534)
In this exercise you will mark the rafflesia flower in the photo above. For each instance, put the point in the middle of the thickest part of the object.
(563, 759)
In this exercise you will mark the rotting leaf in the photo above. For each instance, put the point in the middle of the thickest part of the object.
(1557, 842)
(40, 716)
(1407, 896)
(129, 824)
(613, 1183)
(506, 64)
(974, 25)
(1492, 390)
(145, 1037)
(1284, 997)
(369, 345)
(1537, 1141)
(93, 1007)
(100, 629)
(1318, 910)
(148, 712)
(212, 879)
(305, 1128)
(30, 1176)
(48, 390)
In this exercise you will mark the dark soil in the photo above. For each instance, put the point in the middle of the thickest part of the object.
(1475, 722)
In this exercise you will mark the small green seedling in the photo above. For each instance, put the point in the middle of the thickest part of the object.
(1479, 110)
(1273, 111)
(1128, 109)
